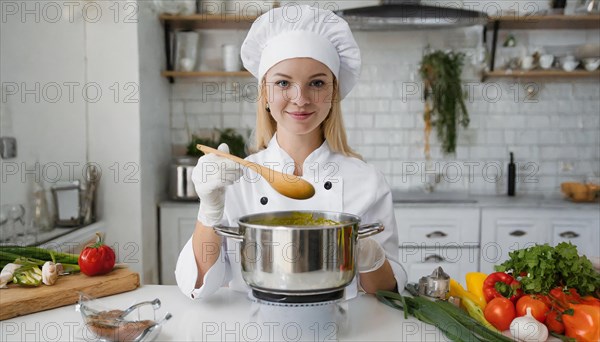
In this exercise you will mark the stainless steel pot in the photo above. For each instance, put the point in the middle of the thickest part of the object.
(181, 186)
(298, 260)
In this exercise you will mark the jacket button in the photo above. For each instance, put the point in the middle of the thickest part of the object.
(264, 201)
(328, 185)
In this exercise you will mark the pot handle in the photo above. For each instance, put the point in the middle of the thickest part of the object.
(369, 229)
(229, 232)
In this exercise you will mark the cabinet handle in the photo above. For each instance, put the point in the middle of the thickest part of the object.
(436, 234)
(569, 235)
(433, 258)
(517, 233)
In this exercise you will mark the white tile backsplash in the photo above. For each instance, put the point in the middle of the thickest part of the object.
(364, 121)
(383, 114)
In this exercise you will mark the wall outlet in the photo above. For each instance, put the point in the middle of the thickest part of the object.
(8, 147)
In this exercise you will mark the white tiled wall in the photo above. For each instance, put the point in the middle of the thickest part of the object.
(555, 135)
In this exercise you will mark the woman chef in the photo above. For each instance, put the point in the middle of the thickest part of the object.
(306, 60)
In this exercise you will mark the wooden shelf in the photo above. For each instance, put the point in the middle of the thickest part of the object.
(532, 22)
(539, 22)
(206, 74)
(542, 74)
(207, 21)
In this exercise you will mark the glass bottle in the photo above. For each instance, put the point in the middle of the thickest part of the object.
(41, 215)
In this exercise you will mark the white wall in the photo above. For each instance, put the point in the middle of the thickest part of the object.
(554, 135)
(155, 149)
(42, 57)
(114, 127)
(115, 50)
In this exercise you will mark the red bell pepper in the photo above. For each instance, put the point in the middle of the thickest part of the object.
(96, 259)
(500, 284)
(581, 321)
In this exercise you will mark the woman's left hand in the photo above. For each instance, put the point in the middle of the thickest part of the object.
(371, 255)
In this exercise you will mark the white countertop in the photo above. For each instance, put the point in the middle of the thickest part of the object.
(51, 238)
(454, 199)
(409, 199)
(226, 316)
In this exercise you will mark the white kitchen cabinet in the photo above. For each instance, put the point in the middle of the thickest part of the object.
(73, 241)
(177, 222)
(506, 229)
(581, 229)
(432, 237)
(456, 262)
(439, 227)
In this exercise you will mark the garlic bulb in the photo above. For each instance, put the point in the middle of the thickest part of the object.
(7, 274)
(528, 329)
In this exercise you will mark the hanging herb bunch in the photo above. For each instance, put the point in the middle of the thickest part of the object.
(444, 98)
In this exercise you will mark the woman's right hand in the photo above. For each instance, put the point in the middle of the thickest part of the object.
(210, 177)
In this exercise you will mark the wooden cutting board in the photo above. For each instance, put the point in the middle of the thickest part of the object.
(18, 300)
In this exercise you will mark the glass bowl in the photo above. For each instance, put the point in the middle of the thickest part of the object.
(136, 323)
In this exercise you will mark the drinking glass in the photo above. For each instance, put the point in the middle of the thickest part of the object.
(6, 227)
(10, 214)
(187, 49)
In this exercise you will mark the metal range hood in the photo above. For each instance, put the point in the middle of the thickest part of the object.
(410, 15)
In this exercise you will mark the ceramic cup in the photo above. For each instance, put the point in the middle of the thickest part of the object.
(546, 61)
(591, 64)
(526, 62)
(569, 63)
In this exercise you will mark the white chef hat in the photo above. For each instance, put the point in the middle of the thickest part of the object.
(295, 31)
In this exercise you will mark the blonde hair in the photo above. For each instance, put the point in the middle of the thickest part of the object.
(333, 126)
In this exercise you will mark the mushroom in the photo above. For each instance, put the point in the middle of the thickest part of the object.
(50, 272)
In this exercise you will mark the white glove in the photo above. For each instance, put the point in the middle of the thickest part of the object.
(210, 176)
(371, 255)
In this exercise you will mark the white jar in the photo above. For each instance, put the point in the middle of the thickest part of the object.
(231, 57)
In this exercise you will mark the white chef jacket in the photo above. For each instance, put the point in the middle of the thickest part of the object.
(342, 184)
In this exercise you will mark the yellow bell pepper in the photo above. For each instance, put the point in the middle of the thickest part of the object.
(456, 290)
(475, 286)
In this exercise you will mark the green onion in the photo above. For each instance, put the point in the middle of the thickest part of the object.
(41, 254)
(25, 257)
(453, 322)
(563, 337)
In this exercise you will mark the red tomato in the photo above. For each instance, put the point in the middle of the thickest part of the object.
(96, 259)
(562, 294)
(554, 322)
(589, 300)
(500, 312)
(539, 309)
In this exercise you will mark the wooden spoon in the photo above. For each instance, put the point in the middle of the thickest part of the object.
(288, 185)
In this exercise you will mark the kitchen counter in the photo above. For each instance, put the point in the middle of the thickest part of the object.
(453, 199)
(65, 239)
(226, 316)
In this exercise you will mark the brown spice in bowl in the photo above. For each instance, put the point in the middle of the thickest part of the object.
(107, 325)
